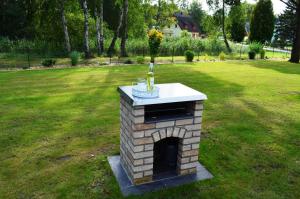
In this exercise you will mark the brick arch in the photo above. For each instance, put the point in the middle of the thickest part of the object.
(168, 132)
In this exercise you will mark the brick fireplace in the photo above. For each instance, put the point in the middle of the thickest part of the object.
(160, 137)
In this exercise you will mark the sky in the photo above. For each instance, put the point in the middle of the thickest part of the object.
(278, 6)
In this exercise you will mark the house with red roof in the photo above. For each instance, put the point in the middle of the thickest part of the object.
(183, 22)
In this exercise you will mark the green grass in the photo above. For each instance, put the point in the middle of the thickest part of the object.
(58, 126)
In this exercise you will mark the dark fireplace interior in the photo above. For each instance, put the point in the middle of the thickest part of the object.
(168, 111)
(165, 158)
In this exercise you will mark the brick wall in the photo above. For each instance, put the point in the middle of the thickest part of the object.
(138, 139)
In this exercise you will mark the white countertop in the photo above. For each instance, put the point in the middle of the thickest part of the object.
(168, 93)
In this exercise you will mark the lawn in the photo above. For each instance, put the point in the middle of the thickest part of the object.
(58, 126)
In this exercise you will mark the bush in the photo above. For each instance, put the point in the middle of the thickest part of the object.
(251, 54)
(25, 67)
(262, 54)
(189, 55)
(48, 62)
(128, 61)
(38, 47)
(222, 56)
(140, 60)
(74, 56)
(214, 46)
(256, 47)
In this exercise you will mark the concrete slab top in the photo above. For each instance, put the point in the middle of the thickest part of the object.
(168, 93)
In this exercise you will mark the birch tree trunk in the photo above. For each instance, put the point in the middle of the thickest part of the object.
(101, 26)
(65, 27)
(125, 29)
(116, 35)
(86, 30)
(98, 31)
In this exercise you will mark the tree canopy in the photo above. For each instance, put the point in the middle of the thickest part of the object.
(262, 22)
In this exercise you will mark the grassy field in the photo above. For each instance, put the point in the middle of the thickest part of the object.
(58, 126)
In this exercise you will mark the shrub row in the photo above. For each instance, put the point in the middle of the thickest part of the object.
(169, 46)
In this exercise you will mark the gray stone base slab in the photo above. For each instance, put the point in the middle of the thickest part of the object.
(128, 188)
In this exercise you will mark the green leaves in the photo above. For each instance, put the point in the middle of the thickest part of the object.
(262, 22)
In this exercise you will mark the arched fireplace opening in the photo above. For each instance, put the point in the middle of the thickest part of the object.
(165, 157)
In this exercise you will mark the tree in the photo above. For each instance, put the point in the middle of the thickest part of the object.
(116, 34)
(65, 27)
(97, 11)
(17, 18)
(86, 29)
(285, 21)
(125, 29)
(216, 3)
(295, 5)
(262, 22)
(197, 13)
(164, 13)
(237, 23)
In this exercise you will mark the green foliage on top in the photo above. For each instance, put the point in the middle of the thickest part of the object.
(285, 28)
(256, 47)
(74, 56)
(185, 33)
(154, 39)
(48, 62)
(140, 60)
(237, 21)
(189, 55)
(198, 14)
(262, 22)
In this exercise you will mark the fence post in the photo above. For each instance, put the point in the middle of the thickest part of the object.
(241, 51)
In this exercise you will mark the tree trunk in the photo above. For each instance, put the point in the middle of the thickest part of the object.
(65, 27)
(101, 27)
(116, 35)
(125, 28)
(295, 56)
(86, 30)
(223, 28)
(158, 13)
(99, 50)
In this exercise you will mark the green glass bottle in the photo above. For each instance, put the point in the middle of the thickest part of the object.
(150, 78)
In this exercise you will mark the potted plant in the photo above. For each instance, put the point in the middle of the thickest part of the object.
(251, 54)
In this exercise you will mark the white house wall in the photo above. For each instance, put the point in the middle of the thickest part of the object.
(172, 31)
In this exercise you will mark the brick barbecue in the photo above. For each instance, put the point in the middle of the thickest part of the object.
(160, 137)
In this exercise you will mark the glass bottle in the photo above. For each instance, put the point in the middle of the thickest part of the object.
(150, 77)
